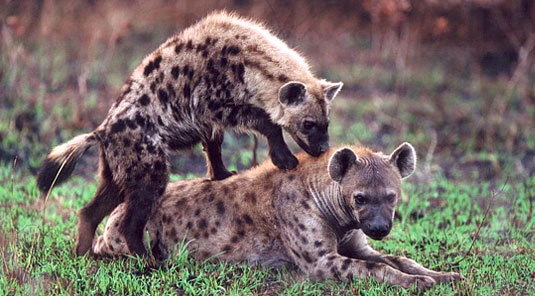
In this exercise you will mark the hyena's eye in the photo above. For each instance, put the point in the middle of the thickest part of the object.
(391, 198)
(361, 199)
(308, 124)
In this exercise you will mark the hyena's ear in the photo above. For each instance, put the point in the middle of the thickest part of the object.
(331, 89)
(341, 161)
(404, 158)
(292, 93)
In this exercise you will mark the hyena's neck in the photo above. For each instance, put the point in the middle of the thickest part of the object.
(328, 198)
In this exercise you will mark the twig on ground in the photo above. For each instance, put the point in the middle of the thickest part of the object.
(476, 234)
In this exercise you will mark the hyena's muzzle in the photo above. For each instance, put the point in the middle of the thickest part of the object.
(376, 220)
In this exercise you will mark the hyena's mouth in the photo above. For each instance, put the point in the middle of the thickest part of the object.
(314, 150)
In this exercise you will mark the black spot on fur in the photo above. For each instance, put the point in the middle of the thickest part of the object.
(140, 120)
(163, 96)
(178, 48)
(157, 62)
(234, 239)
(175, 71)
(220, 207)
(130, 123)
(283, 78)
(118, 126)
(223, 62)
(159, 120)
(226, 248)
(187, 91)
(250, 197)
(307, 257)
(370, 265)
(189, 45)
(317, 244)
(144, 100)
(233, 50)
(247, 219)
(202, 224)
(189, 225)
(148, 69)
(241, 72)
(197, 212)
(153, 87)
(126, 142)
(305, 205)
(322, 252)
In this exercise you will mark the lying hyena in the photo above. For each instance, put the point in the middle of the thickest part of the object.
(316, 217)
(223, 72)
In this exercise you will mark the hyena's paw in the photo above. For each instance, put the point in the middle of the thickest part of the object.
(284, 161)
(446, 277)
(422, 282)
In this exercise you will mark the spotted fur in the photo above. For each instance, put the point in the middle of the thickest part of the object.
(309, 217)
(223, 72)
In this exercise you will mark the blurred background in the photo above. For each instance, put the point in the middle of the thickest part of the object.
(453, 77)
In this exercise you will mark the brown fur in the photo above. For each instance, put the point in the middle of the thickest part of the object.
(223, 72)
(270, 216)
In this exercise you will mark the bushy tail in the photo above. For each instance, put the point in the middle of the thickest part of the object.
(61, 161)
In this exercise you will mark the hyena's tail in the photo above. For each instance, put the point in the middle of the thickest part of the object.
(60, 162)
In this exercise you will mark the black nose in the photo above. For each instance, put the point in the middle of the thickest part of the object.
(378, 230)
(324, 147)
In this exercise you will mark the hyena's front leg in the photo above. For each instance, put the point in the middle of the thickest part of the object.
(259, 120)
(357, 246)
(324, 260)
(212, 149)
(334, 265)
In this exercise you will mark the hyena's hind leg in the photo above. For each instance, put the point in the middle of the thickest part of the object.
(214, 161)
(143, 190)
(112, 242)
(107, 197)
(358, 247)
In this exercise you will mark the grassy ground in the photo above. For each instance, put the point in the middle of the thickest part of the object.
(468, 208)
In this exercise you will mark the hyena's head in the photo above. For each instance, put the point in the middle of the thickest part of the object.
(371, 185)
(306, 114)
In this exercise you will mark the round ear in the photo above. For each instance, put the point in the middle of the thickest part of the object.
(404, 158)
(341, 161)
(292, 93)
(331, 89)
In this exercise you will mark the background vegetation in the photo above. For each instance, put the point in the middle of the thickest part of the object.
(455, 78)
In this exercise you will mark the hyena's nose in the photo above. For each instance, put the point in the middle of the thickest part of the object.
(324, 147)
(378, 230)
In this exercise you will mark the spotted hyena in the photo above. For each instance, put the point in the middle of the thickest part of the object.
(317, 217)
(223, 72)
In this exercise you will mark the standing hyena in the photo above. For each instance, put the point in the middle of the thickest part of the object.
(223, 72)
(317, 217)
